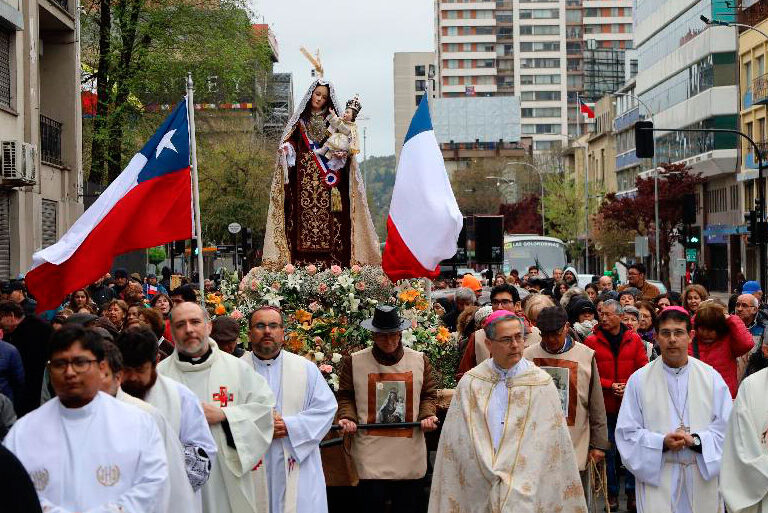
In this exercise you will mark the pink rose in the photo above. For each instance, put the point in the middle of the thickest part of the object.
(255, 285)
(356, 268)
(360, 285)
(311, 269)
(322, 288)
(336, 270)
(314, 306)
(326, 368)
(318, 340)
(236, 314)
(276, 286)
(289, 269)
(413, 324)
(383, 280)
(242, 284)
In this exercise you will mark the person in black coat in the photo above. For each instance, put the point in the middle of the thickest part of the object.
(16, 488)
(30, 334)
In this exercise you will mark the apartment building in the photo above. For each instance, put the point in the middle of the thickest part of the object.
(688, 78)
(40, 130)
(534, 49)
(412, 71)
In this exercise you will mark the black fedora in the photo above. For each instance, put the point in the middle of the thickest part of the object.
(385, 320)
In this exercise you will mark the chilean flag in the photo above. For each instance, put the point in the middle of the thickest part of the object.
(586, 109)
(148, 204)
(424, 220)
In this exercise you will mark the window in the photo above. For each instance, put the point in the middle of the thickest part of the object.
(420, 70)
(592, 13)
(486, 63)
(487, 48)
(421, 85)
(540, 128)
(484, 15)
(484, 31)
(452, 81)
(540, 112)
(539, 14)
(451, 31)
(5, 67)
(572, 16)
(748, 72)
(418, 99)
(466, 47)
(450, 15)
(452, 63)
(760, 66)
(49, 223)
(541, 96)
(761, 130)
(540, 46)
(539, 79)
(539, 30)
(539, 63)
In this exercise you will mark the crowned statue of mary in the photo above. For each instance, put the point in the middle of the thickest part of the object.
(318, 211)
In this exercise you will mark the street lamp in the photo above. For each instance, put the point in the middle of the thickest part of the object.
(541, 182)
(655, 187)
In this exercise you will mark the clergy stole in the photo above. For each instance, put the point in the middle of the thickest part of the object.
(384, 394)
(659, 418)
(482, 352)
(164, 395)
(572, 373)
(534, 468)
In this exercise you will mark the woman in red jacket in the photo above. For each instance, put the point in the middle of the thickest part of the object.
(719, 340)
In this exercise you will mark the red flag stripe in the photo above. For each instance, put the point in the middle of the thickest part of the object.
(397, 260)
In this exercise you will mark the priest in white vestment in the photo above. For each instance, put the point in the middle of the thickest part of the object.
(505, 446)
(85, 450)
(305, 407)
(238, 405)
(178, 404)
(672, 423)
(178, 495)
(744, 476)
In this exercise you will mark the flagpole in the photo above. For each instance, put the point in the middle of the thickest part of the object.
(195, 184)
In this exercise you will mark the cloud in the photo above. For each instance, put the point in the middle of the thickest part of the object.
(357, 41)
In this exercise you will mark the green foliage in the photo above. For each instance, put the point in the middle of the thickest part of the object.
(476, 194)
(564, 208)
(156, 255)
(379, 173)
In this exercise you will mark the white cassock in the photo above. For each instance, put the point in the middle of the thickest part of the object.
(744, 479)
(246, 400)
(304, 400)
(106, 457)
(683, 481)
(178, 495)
(181, 407)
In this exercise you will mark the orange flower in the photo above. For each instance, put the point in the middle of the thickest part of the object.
(409, 295)
(422, 305)
(303, 316)
(294, 342)
(443, 335)
(220, 310)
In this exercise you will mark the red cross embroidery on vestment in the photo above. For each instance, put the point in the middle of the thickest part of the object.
(223, 398)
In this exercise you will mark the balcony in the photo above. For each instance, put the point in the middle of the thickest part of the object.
(50, 141)
(760, 90)
(627, 159)
(626, 120)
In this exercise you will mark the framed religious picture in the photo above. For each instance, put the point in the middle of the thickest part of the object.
(390, 400)
(564, 375)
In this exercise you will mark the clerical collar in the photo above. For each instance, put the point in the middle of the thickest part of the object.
(262, 362)
(82, 412)
(675, 371)
(196, 360)
(512, 371)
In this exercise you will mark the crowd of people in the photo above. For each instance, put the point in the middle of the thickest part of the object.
(554, 380)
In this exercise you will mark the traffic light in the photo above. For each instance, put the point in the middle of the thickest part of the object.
(193, 247)
(689, 209)
(757, 229)
(247, 239)
(643, 139)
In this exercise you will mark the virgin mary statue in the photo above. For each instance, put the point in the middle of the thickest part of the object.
(317, 215)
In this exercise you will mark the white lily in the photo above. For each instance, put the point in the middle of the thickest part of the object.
(408, 338)
(336, 358)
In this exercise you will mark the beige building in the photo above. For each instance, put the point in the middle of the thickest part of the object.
(40, 128)
(411, 72)
(602, 147)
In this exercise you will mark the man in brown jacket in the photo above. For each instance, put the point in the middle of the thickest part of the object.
(384, 384)
(636, 278)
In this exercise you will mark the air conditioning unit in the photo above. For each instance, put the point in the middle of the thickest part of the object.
(18, 163)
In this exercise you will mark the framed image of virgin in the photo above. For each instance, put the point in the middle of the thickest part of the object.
(390, 400)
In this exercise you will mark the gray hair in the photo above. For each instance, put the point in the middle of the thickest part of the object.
(206, 315)
(631, 310)
(490, 328)
(465, 294)
(617, 308)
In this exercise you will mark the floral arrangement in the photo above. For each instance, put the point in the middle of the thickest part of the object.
(325, 307)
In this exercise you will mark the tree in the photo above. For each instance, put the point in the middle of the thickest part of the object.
(523, 216)
(474, 192)
(637, 213)
(612, 241)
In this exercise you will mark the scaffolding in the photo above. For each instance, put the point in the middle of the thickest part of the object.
(604, 72)
(280, 104)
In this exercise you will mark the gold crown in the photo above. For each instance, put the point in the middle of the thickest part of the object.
(354, 104)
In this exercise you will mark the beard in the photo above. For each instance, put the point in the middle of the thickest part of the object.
(139, 390)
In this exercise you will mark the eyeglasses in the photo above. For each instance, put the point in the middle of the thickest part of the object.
(79, 365)
(272, 325)
(497, 302)
(509, 340)
(745, 305)
(671, 333)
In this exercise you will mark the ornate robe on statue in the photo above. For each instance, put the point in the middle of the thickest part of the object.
(505, 447)
(314, 219)
(247, 402)
(744, 474)
(655, 396)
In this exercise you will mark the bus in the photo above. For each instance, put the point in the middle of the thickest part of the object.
(523, 251)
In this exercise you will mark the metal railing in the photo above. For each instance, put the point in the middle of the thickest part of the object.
(760, 88)
(50, 141)
(64, 4)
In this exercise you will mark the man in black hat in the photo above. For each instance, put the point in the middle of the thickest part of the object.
(578, 382)
(383, 382)
(120, 282)
(226, 332)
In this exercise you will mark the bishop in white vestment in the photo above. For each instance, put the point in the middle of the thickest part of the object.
(305, 405)
(238, 405)
(671, 426)
(85, 450)
(744, 476)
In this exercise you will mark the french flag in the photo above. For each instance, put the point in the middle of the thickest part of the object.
(424, 220)
(148, 204)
